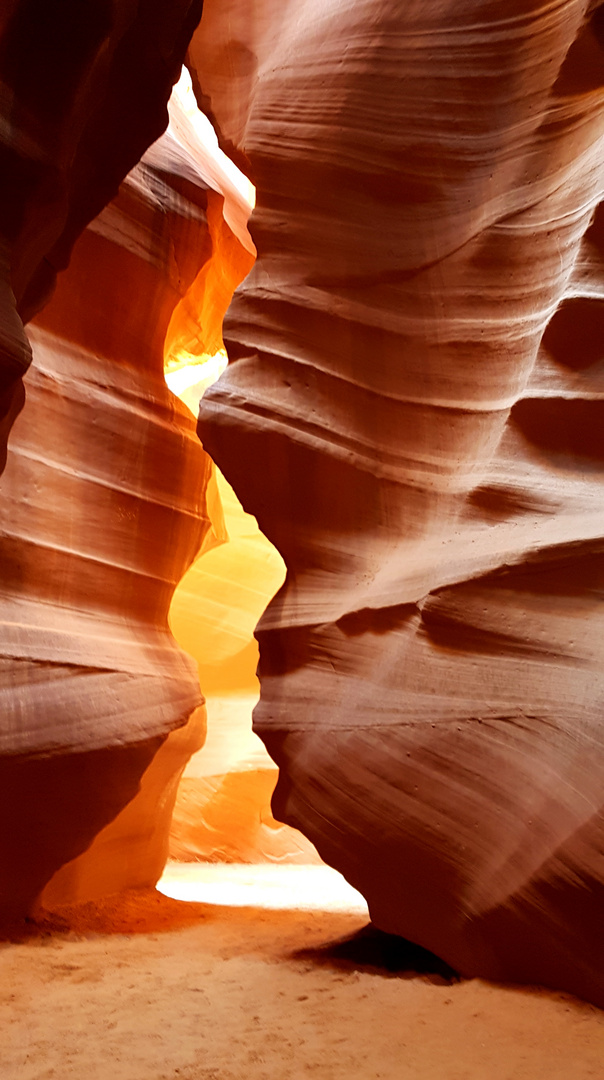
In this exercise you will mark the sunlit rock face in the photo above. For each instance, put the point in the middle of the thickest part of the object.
(222, 811)
(83, 93)
(414, 414)
(103, 509)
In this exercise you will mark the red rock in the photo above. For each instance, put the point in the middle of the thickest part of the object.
(103, 510)
(414, 415)
(83, 93)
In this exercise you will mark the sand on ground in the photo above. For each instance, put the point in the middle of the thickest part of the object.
(151, 988)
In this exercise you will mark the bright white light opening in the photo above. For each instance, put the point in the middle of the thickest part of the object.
(191, 376)
(194, 131)
(276, 887)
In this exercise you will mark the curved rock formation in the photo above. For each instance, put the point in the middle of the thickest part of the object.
(103, 510)
(83, 93)
(222, 811)
(413, 413)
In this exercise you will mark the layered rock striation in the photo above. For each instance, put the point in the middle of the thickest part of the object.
(83, 93)
(222, 811)
(104, 508)
(414, 413)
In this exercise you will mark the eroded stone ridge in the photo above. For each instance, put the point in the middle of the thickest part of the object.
(103, 509)
(83, 93)
(414, 413)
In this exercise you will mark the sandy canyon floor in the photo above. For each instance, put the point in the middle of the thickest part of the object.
(154, 988)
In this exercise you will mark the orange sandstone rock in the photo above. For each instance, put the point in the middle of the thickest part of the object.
(413, 412)
(103, 510)
(222, 810)
(83, 93)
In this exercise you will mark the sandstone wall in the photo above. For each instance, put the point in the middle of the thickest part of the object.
(222, 811)
(103, 510)
(413, 412)
(83, 93)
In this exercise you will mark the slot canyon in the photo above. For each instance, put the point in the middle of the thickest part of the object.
(302, 415)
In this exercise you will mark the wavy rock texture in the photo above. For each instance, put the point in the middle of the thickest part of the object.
(103, 510)
(222, 810)
(414, 414)
(83, 93)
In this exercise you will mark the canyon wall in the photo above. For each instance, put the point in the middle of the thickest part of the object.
(108, 496)
(103, 509)
(83, 93)
(413, 412)
(222, 811)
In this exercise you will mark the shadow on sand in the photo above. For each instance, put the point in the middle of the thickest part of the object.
(370, 949)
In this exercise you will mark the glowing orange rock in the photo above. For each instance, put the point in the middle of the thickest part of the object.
(103, 509)
(222, 810)
(223, 805)
(83, 93)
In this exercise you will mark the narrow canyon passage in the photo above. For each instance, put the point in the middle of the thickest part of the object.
(222, 810)
(310, 330)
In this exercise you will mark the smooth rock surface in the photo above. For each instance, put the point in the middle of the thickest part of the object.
(414, 413)
(222, 810)
(83, 93)
(103, 509)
